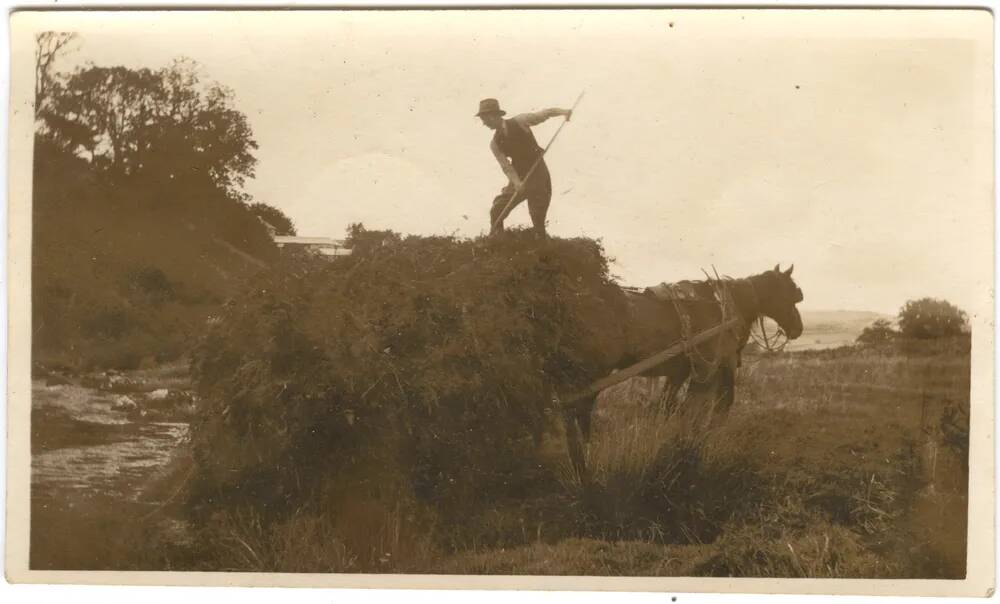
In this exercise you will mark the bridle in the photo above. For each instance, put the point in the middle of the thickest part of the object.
(777, 341)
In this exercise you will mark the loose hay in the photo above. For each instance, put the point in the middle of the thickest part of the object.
(420, 365)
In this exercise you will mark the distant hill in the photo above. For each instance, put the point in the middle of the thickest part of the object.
(833, 328)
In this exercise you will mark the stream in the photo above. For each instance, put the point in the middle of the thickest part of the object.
(90, 463)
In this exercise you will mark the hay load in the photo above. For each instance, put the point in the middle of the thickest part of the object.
(420, 364)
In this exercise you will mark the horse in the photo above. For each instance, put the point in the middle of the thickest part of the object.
(662, 315)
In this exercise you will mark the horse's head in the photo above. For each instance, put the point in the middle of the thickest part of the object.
(777, 296)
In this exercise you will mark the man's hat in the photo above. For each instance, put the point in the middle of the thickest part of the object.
(490, 106)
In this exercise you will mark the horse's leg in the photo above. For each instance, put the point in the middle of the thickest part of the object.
(676, 373)
(701, 401)
(729, 389)
(655, 391)
(668, 400)
(571, 415)
(726, 394)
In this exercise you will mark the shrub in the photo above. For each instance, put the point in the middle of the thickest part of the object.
(148, 285)
(928, 318)
(879, 332)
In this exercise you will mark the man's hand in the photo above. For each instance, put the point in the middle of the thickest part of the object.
(568, 113)
(516, 183)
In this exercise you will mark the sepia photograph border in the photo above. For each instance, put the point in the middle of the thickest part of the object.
(980, 578)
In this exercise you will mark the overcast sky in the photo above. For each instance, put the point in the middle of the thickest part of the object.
(855, 144)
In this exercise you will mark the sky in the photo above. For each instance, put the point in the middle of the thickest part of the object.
(855, 144)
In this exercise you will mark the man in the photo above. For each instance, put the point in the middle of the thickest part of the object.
(513, 139)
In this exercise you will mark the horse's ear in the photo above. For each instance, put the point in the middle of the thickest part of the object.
(790, 269)
(777, 267)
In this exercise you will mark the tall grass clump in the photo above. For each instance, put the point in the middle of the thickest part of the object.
(660, 476)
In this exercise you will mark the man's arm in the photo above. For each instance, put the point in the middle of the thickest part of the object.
(533, 119)
(505, 164)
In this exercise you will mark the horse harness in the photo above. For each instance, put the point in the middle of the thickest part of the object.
(684, 295)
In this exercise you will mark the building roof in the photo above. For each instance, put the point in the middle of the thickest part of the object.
(311, 241)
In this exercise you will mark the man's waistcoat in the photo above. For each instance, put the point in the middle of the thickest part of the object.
(520, 146)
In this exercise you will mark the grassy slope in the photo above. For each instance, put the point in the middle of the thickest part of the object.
(125, 270)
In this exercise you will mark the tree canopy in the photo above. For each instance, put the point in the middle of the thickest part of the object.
(931, 318)
(165, 123)
(274, 218)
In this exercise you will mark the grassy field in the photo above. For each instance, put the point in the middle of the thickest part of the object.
(835, 463)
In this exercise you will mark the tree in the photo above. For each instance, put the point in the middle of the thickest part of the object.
(48, 46)
(928, 318)
(164, 123)
(879, 332)
(112, 106)
(274, 218)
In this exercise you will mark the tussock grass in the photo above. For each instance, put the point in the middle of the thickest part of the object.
(821, 549)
